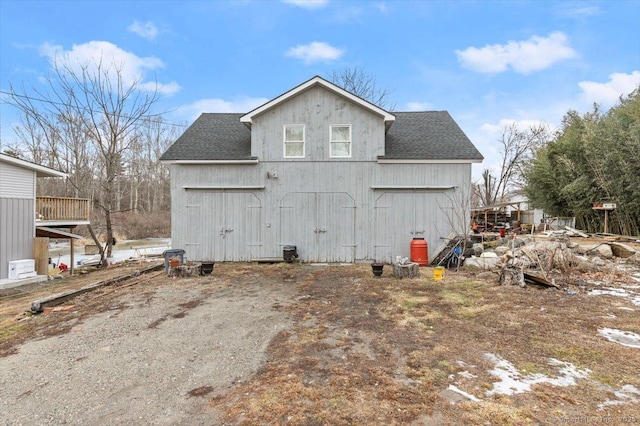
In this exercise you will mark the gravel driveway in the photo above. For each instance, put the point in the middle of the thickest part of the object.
(152, 354)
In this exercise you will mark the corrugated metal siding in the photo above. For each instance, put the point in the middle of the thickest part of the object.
(16, 182)
(17, 229)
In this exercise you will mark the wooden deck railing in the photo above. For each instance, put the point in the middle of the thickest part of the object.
(54, 208)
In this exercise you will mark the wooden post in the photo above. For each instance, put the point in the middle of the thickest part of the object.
(41, 255)
(72, 258)
(606, 221)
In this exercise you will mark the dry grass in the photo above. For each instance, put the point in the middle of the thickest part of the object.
(365, 350)
(384, 351)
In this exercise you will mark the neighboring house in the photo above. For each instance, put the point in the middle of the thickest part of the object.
(24, 216)
(320, 169)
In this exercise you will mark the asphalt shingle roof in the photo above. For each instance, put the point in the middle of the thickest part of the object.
(431, 135)
(213, 136)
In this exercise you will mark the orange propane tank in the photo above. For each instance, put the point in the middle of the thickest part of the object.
(419, 251)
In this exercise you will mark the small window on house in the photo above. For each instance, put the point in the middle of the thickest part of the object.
(294, 140)
(340, 141)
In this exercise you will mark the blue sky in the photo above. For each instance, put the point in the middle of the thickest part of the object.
(488, 63)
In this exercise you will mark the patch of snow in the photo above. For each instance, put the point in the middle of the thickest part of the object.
(625, 338)
(610, 291)
(467, 375)
(512, 382)
(463, 393)
(121, 252)
(619, 292)
(627, 393)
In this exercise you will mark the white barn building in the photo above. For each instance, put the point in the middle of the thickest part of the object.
(320, 169)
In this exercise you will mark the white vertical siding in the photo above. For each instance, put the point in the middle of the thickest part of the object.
(16, 182)
(17, 229)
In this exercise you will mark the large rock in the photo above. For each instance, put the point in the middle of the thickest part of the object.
(634, 259)
(602, 250)
(621, 250)
(474, 262)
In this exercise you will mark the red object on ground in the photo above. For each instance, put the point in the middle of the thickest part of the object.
(502, 232)
(419, 251)
(63, 267)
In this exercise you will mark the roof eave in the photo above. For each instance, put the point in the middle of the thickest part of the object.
(247, 119)
(387, 160)
(41, 171)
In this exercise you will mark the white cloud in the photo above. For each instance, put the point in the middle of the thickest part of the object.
(607, 94)
(419, 106)
(315, 52)
(239, 104)
(577, 10)
(382, 7)
(146, 30)
(111, 58)
(308, 4)
(523, 57)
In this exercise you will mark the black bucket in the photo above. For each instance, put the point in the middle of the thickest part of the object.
(206, 268)
(290, 253)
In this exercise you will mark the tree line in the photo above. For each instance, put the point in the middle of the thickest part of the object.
(94, 123)
(593, 157)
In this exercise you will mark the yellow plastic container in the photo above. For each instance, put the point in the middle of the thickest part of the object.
(438, 273)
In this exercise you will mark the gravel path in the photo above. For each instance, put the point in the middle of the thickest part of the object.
(153, 357)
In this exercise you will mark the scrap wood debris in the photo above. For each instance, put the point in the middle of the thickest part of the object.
(559, 262)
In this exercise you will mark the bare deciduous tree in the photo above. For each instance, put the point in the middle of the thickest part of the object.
(357, 81)
(88, 113)
(517, 148)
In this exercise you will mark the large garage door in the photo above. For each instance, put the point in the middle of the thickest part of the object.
(320, 225)
(403, 215)
(224, 226)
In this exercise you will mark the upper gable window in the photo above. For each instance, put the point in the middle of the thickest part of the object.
(294, 140)
(340, 141)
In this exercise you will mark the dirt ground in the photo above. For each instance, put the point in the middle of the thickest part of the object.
(317, 345)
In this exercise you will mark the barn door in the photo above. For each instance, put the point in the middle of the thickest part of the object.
(223, 226)
(240, 233)
(404, 215)
(320, 225)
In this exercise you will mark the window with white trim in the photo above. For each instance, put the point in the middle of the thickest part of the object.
(340, 136)
(293, 140)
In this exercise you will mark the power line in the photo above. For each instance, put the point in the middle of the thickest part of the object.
(48, 101)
